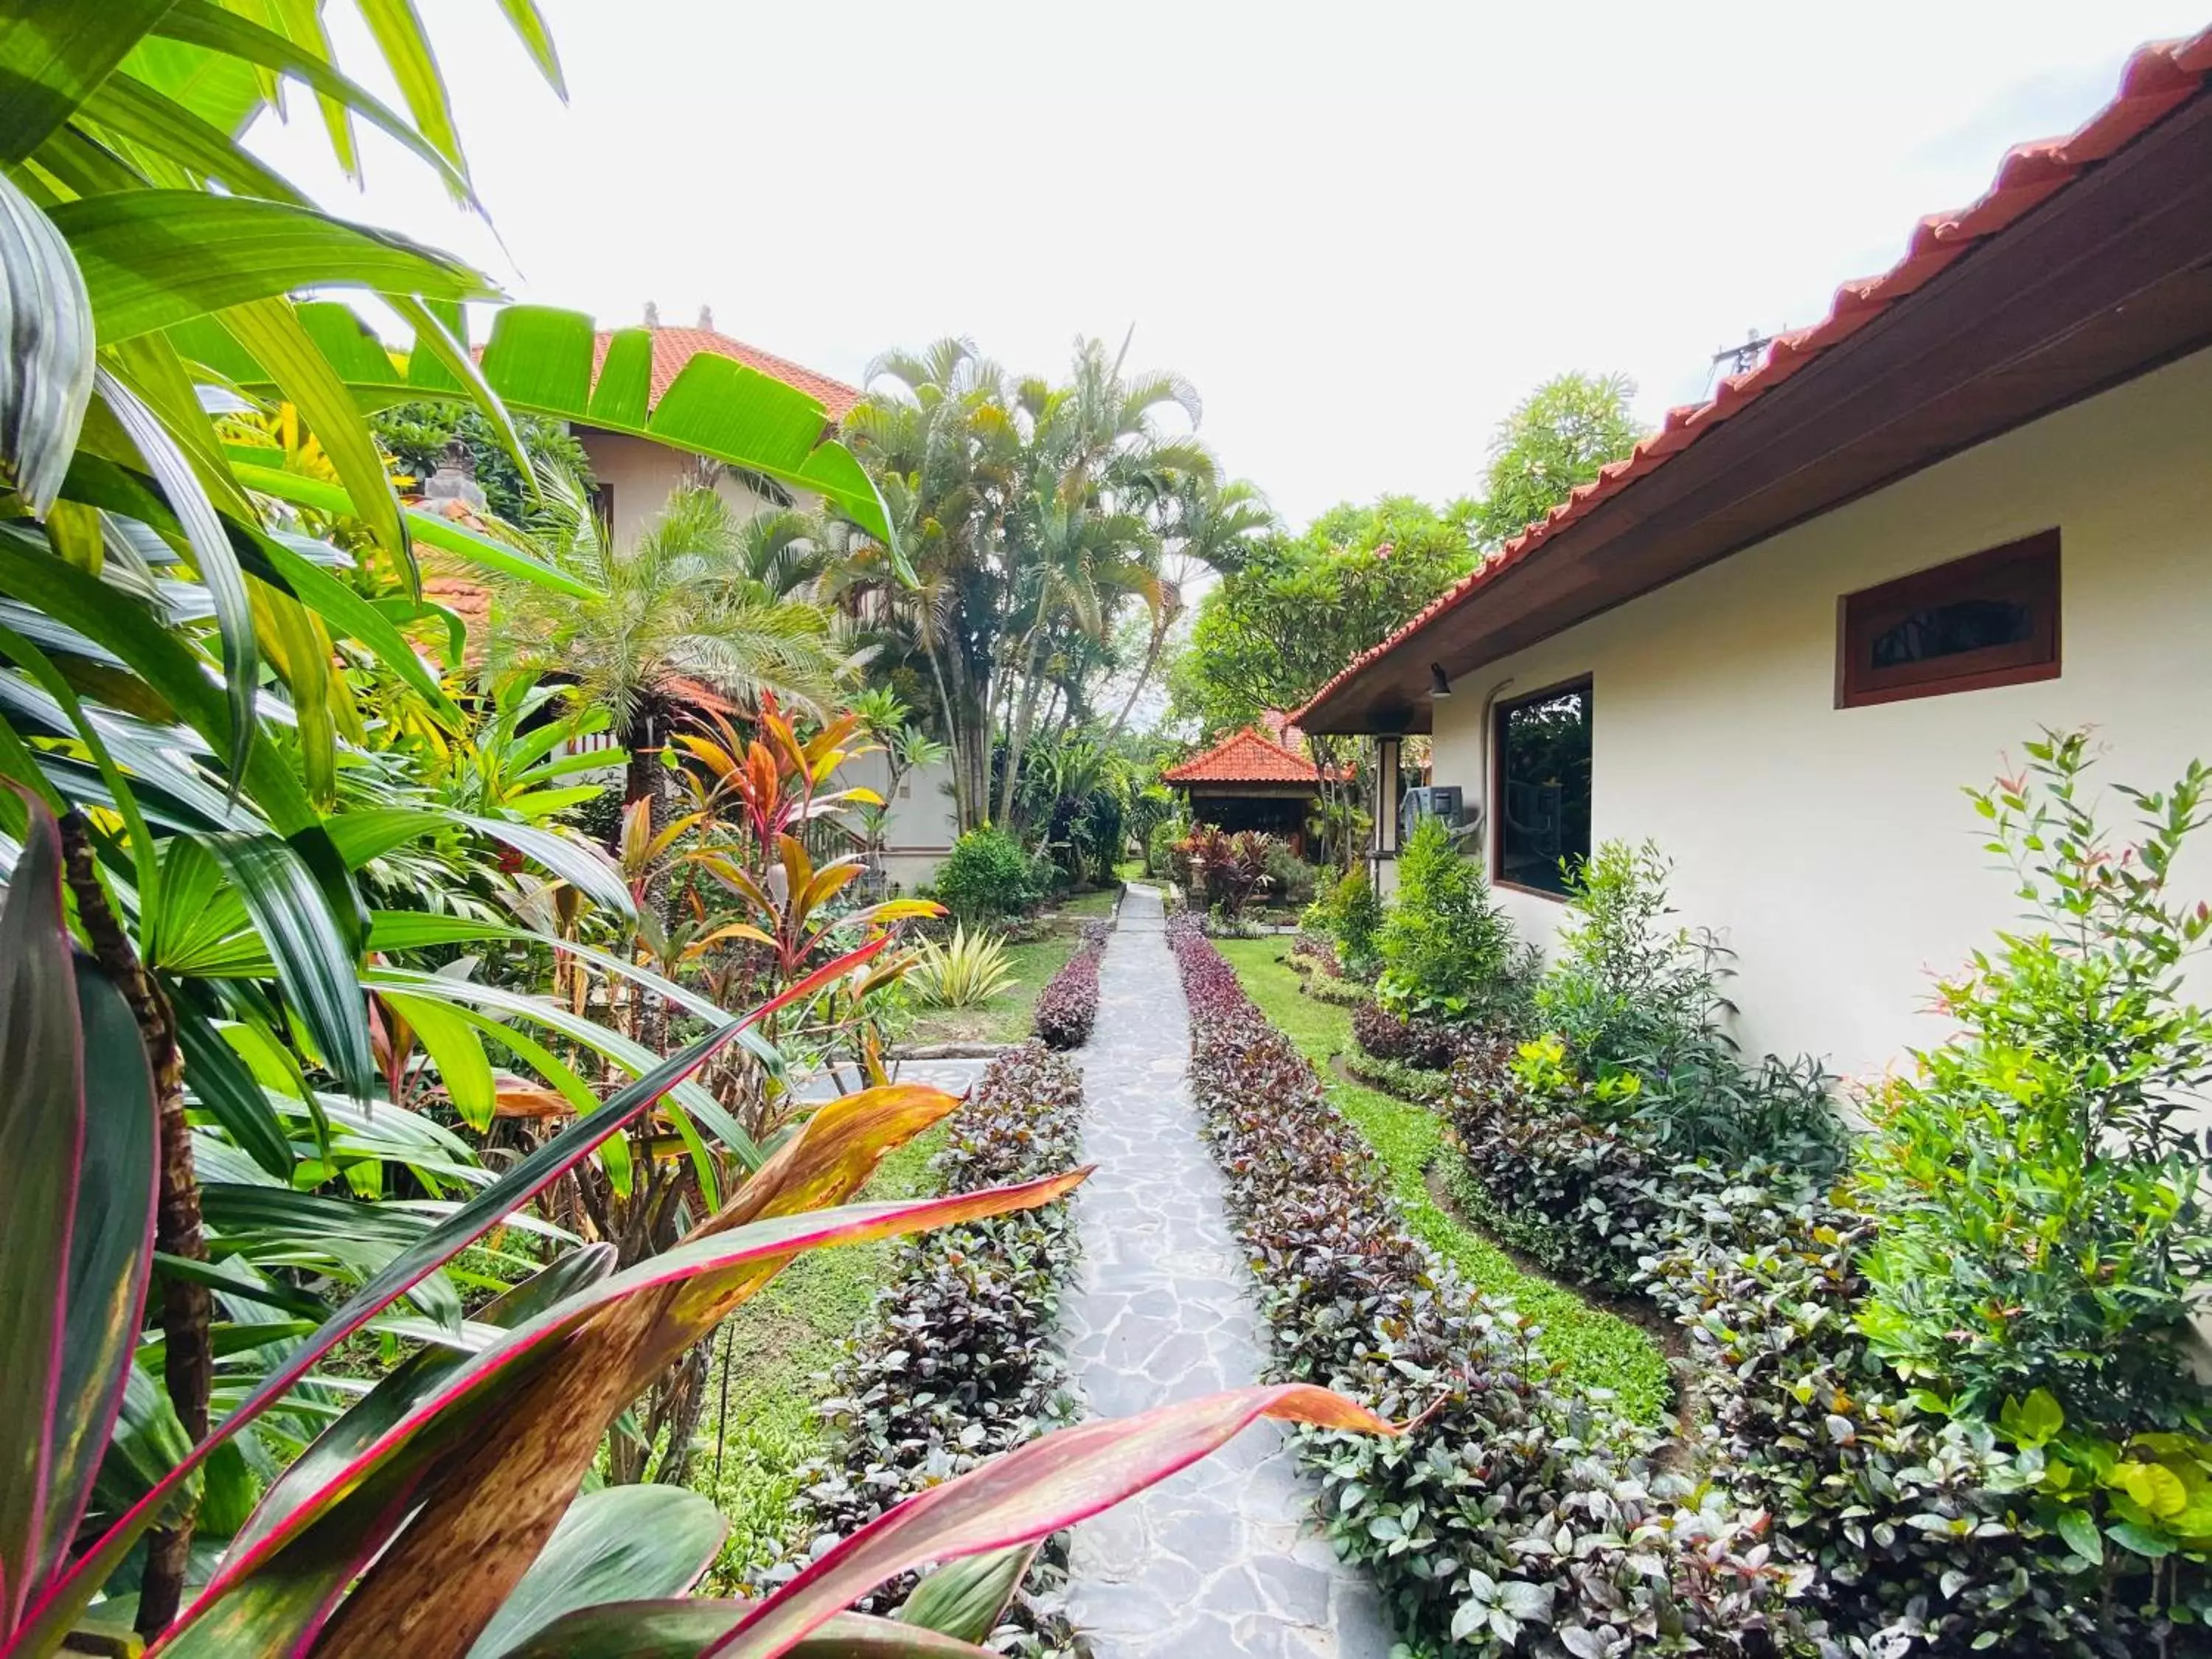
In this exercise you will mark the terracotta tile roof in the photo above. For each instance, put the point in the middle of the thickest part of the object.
(1245, 757)
(672, 348)
(2158, 80)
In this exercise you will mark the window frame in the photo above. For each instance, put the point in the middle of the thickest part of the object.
(2028, 570)
(1500, 711)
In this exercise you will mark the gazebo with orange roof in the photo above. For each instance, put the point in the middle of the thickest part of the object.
(1251, 779)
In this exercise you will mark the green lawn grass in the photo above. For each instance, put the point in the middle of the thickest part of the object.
(1598, 1350)
(777, 1346)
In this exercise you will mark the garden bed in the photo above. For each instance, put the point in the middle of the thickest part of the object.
(1010, 1017)
(1599, 1349)
(1512, 1507)
(956, 1363)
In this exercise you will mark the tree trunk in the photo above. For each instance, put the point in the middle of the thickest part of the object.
(187, 1309)
(1143, 678)
(1018, 739)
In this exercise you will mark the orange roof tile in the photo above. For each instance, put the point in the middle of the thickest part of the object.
(1245, 757)
(672, 348)
(2158, 80)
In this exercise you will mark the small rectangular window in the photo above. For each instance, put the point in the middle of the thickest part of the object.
(1989, 619)
(1541, 788)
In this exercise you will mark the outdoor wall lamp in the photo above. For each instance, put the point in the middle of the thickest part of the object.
(1439, 683)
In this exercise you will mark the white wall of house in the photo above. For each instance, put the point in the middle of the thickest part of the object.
(923, 822)
(1832, 849)
(642, 474)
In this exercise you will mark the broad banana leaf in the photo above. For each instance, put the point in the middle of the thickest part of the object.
(539, 360)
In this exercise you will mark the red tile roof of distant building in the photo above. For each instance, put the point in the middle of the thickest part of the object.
(1245, 757)
(2158, 80)
(672, 348)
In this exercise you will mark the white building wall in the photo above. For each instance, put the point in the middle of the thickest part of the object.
(923, 822)
(643, 474)
(1832, 848)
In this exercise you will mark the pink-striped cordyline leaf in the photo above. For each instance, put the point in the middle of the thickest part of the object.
(77, 1158)
(382, 1472)
(1030, 1493)
(55, 1604)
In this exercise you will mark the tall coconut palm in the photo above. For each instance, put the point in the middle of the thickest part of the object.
(680, 610)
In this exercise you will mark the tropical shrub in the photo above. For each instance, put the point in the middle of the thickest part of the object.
(1637, 1006)
(482, 1448)
(1355, 922)
(1291, 879)
(2039, 1179)
(1160, 842)
(1223, 871)
(987, 876)
(1067, 1007)
(1416, 1040)
(964, 971)
(957, 1364)
(1447, 951)
(1511, 1518)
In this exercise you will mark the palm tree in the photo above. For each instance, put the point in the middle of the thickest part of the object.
(1213, 528)
(686, 607)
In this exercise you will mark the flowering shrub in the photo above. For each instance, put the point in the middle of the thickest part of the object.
(1511, 1518)
(1067, 1007)
(957, 1364)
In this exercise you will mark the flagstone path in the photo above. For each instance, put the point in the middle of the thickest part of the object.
(1224, 1559)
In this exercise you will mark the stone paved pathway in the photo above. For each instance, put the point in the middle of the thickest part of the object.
(1225, 1557)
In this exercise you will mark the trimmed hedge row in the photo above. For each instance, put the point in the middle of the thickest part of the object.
(957, 1364)
(1067, 1007)
(1509, 1517)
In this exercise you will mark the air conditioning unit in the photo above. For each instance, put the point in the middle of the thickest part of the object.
(1436, 800)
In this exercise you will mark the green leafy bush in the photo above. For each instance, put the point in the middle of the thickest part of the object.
(1355, 922)
(1447, 951)
(1637, 1004)
(957, 1364)
(1291, 879)
(1625, 990)
(987, 876)
(1159, 847)
(1510, 1518)
(2040, 1180)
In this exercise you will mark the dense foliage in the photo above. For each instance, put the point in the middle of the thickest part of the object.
(1554, 441)
(1067, 1007)
(1274, 631)
(1353, 920)
(987, 878)
(1511, 1515)
(418, 435)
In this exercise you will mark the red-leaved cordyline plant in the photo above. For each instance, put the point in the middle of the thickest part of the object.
(468, 1453)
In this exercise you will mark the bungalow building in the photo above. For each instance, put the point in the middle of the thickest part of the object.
(1252, 779)
(1973, 501)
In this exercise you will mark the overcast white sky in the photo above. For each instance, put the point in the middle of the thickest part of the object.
(1363, 231)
